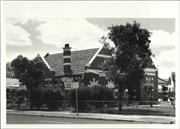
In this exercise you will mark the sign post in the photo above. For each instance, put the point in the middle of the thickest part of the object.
(77, 103)
(75, 86)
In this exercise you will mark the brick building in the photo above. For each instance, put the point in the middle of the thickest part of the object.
(85, 66)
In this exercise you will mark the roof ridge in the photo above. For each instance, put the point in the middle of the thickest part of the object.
(75, 51)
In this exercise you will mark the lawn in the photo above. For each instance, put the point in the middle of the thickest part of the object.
(164, 109)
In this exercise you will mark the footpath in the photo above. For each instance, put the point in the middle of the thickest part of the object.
(100, 116)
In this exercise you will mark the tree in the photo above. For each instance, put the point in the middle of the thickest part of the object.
(173, 75)
(165, 90)
(30, 73)
(129, 56)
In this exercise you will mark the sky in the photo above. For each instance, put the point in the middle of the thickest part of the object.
(29, 36)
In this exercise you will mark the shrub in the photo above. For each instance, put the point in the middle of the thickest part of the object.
(96, 94)
(83, 96)
(20, 96)
(36, 99)
(53, 98)
(20, 100)
(101, 94)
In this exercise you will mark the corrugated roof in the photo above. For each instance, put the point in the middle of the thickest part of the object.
(79, 61)
(163, 81)
(12, 82)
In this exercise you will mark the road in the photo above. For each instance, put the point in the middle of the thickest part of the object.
(27, 119)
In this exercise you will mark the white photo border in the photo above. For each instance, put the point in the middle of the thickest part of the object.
(90, 9)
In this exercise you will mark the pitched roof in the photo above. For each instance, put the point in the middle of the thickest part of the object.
(79, 59)
(150, 64)
(163, 81)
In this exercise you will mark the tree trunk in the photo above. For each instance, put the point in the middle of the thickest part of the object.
(30, 98)
(151, 105)
(120, 105)
(18, 106)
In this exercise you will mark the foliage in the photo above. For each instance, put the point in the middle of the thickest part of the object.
(101, 93)
(173, 75)
(29, 72)
(91, 96)
(129, 57)
(165, 90)
(21, 92)
(20, 97)
(84, 95)
(52, 97)
(36, 98)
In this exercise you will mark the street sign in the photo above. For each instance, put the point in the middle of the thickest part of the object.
(75, 85)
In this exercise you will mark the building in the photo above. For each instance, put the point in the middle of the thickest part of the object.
(165, 89)
(85, 66)
(12, 83)
(151, 79)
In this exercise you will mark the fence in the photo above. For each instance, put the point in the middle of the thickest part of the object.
(99, 106)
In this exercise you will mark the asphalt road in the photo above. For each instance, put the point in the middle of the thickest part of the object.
(27, 119)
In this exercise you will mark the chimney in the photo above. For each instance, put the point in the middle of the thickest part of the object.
(67, 59)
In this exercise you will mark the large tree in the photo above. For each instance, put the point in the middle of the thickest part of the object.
(30, 73)
(130, 55)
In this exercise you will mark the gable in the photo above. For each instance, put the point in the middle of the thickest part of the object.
(150, 64)
(102, 56)
(79, 59)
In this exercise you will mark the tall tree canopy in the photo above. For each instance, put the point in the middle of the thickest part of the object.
(29, 72)
(130, 55)
(173, 75)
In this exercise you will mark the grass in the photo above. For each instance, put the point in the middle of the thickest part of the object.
(163, 109)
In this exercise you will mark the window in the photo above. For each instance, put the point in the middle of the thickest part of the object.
(149, 80)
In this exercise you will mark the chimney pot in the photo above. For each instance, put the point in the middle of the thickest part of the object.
(66, 45)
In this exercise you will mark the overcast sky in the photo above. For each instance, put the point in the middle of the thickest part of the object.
(31, 36)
